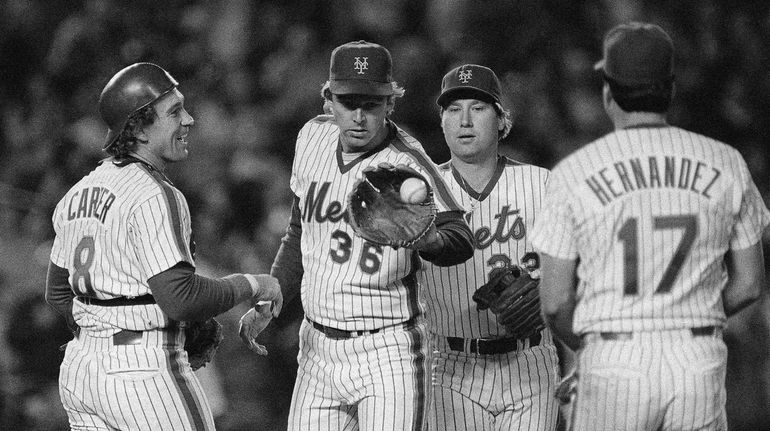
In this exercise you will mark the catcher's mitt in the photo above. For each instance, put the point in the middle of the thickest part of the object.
(377, 213)
(201, 341)
(514, 297)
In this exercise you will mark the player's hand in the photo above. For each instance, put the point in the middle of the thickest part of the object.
(567, 388)
(268, 290)
(253, 323)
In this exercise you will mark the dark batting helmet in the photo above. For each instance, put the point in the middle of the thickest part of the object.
(130, 90)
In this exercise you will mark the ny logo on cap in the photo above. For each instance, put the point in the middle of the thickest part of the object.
(465, 75)
(360, 66)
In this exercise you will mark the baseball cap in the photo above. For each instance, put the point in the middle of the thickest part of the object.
(637, 54)
(361, 68)
(470, 78)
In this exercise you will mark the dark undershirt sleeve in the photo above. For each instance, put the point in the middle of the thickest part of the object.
(458, 240)
(287, 266)
(59, 294)
(184, 295)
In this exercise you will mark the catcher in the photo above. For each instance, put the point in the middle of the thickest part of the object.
(123, 275)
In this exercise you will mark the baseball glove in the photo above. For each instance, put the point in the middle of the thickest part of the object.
(201, 341)
(377, 213)
(514, 297)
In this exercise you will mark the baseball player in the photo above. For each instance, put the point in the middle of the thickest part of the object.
(483, 377)
(650, 238)
(363, 342)
(122, 270)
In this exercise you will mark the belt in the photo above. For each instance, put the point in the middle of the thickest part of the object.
(704, 331)
(341, 334)
(119, 301)
(127, 337)
(490, 346)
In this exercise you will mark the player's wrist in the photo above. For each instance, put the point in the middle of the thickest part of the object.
(253, 283)
(431, 243)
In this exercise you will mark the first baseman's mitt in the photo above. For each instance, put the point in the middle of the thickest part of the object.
(201, 341)
(377, 213)
(514, 297)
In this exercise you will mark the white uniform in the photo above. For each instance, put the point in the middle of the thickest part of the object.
(513, 388)
(116, 228)
(650, 212)
(378, 379)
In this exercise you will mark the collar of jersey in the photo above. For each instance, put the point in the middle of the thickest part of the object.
(344, 168)
(125, 161)
(501, 162)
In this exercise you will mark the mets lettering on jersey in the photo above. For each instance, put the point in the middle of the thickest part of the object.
(653, 172)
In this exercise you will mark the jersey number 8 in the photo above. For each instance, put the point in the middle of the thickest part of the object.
(81, 262)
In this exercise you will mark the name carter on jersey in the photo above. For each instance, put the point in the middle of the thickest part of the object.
(625, 176)
(96, 206)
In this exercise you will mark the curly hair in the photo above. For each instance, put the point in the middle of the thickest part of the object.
(127, 141)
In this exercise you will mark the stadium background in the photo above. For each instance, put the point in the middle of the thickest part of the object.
(251, 72)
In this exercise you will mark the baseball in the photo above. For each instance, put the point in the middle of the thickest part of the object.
(413, 191)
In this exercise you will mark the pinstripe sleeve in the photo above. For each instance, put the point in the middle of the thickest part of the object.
(554, 230)
(158, 235)
(753, 216)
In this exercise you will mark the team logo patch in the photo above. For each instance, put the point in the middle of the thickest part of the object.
(360, 66)
(464, 76)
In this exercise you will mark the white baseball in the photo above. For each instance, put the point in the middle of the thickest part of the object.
(413, 190)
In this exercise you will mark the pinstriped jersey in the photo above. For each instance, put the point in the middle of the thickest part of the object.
(116, 228)
(500, 217)
(651, 212)
(350, 283)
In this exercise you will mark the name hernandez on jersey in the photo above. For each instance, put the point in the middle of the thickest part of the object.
(651, 211)
(350, 283)
(652, 172)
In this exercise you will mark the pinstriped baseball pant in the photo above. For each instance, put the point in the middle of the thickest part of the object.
(663, 380)
(499, 392)
(146, 386)
(370, 382)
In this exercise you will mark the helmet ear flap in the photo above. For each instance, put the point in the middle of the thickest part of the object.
(130, 90)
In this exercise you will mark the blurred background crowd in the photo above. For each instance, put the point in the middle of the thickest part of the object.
(251, 72)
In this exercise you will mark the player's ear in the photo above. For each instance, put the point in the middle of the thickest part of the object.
(606, 95)
(141, 135)
(390, 103)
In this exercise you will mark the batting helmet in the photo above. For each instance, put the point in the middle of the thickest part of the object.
(130, 90)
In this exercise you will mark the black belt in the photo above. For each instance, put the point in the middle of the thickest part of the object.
(119, 301)
(127, 337)
(341, 334)
(490, 346)
(703, 331)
